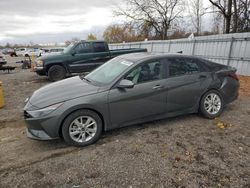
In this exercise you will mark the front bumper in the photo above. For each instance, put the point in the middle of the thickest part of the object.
(43, 128)
(37, 134)
(40, 70)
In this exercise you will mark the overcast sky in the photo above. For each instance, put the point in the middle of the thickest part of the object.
(41, 21)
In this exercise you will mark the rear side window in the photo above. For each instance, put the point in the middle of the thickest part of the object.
(181, 66)
(99, 47)
(213, 66)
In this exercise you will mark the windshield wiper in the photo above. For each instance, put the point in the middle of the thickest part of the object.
(86, 79)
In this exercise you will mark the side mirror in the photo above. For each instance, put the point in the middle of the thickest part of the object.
(73, 53)
(125, 84)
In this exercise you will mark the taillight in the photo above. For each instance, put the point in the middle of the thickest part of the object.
(234, 76)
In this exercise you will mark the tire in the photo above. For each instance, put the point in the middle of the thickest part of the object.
(76, 137)
(26, 55)
(56, 72)
(211, 104)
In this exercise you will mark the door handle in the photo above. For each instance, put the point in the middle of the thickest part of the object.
(157, 87)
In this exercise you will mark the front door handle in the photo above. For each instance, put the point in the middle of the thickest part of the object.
(157, 87)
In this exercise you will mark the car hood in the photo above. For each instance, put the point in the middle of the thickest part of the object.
(62, 91)
(53, 57)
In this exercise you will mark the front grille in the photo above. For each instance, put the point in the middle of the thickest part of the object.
(26, 115)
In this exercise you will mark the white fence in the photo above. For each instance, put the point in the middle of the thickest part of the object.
(227, 49)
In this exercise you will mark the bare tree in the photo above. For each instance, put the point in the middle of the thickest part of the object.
(235, 17)
(196, 11)
(225, 8)
(156, 15)
(243, 15)
(120, 33)
(217, 23)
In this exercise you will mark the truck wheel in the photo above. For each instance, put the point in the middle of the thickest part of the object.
(56, 72)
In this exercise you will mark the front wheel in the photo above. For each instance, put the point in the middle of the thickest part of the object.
(82, 128)
(211, 104)
(56, 72)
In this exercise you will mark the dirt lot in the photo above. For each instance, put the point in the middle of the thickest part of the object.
(244, 86)
(186, 151)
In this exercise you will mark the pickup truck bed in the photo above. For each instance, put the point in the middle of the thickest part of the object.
(83, 56)
(114, 53)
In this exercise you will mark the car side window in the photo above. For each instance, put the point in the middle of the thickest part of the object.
(146, 72)
(84, 47)
(178, 67)
(99, 46)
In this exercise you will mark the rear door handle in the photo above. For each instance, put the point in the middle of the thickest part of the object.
(157, 87)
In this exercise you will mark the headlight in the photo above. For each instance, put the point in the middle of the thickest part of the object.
(39, 63)
(45, 111)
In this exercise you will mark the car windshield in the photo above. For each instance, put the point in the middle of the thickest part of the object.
(68, 48)
(109, 71)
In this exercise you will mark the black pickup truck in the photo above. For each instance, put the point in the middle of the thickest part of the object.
(78, 57)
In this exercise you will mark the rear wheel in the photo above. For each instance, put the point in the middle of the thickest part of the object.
(211, 104)
(56, 72)
(82, 128)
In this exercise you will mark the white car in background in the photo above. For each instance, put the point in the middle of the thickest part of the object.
(52, 51)
(33, 51)
(21, 51)
(28, 52)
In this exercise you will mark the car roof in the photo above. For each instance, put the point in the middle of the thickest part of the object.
(144, 56)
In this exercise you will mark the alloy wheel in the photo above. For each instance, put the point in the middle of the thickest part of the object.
(212, 103)
(82, 129)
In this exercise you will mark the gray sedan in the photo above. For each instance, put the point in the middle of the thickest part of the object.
(129, 89)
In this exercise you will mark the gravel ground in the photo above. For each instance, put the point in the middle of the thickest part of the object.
(245, 86)
(17, 86)
(186, 151)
